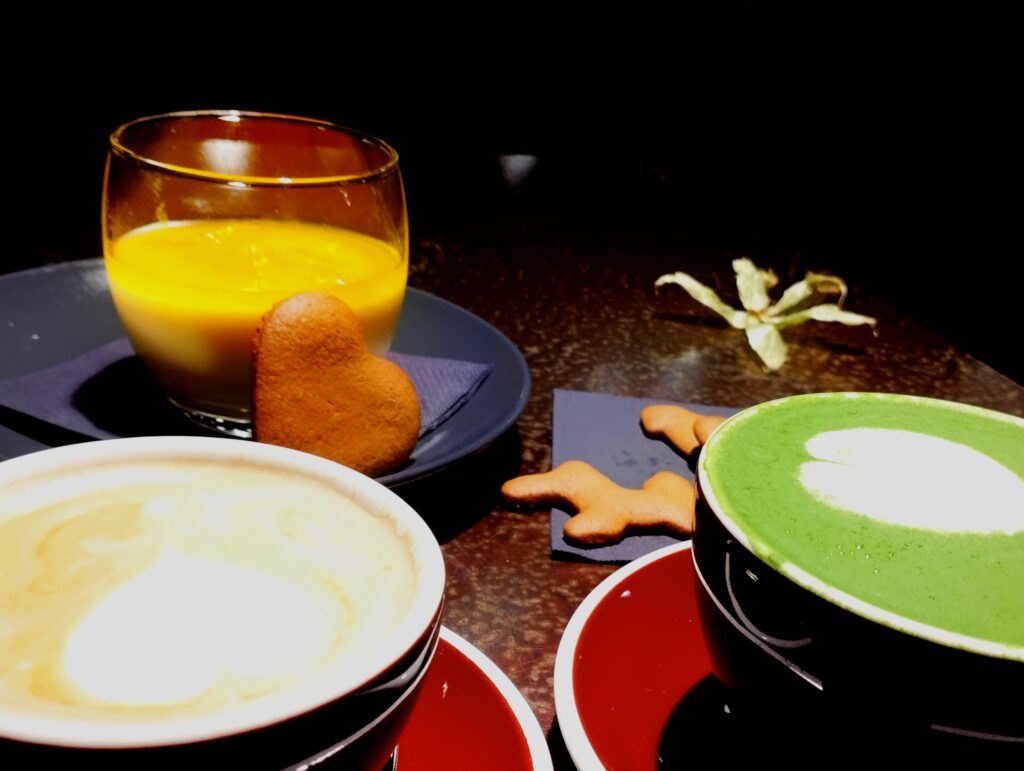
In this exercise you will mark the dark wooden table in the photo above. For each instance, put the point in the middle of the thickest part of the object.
(576, 295)
(573, 288)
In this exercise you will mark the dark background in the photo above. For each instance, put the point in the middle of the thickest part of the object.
(876, 146)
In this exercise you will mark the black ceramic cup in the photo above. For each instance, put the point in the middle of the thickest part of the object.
(799, 623)
(336, 707)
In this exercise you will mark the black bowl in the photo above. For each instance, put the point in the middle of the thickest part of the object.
(358, 731)
(784, 650)
(349, 717)
(825, 526)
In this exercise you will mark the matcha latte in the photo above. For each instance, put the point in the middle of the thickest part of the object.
(905, 510)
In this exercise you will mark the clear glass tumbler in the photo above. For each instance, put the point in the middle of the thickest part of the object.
(210, 218)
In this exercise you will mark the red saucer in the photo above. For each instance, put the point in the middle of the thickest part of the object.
(470, 715)
(632, 649)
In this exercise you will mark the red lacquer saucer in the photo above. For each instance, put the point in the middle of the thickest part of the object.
(470, 715)
(632, 649)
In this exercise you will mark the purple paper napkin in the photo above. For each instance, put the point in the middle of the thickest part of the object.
(107, 393)
(604, 430)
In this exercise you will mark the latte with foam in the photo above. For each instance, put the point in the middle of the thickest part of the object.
(908, 511)
(155, 589)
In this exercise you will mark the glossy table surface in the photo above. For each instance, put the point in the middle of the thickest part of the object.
(582, 308)
(575, 292)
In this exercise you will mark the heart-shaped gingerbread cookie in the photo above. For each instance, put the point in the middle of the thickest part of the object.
(317, 388)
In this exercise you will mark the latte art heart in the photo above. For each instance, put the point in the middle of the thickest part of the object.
(179, 588)
(903, 477)
(171, 633)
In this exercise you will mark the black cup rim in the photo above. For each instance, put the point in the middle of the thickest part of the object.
(817, 585)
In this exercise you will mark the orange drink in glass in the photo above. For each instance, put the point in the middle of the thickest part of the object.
(210, 218)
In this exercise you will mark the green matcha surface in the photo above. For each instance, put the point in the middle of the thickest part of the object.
(968, 583)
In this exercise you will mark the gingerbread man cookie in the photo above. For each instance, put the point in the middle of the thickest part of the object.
(678, 426)
(605, 511)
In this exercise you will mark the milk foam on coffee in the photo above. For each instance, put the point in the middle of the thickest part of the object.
(174, 588)
(866, 470)
(907, 510)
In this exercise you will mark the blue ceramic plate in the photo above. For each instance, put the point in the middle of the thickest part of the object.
(52, 314)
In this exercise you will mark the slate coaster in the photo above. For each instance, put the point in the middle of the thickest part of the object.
(604, 430)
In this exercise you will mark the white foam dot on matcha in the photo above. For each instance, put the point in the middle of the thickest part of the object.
(176, 630)
(913, 479)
